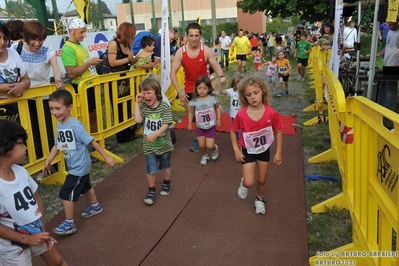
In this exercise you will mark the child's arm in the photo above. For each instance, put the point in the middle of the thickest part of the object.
(237, 151)
(109, 160)
(153, 136)
(190, 117)
(47, 164)
(218, 114)
(289, 67)
(33, 240)
(137, 113)
(50, 241)
(279, 141)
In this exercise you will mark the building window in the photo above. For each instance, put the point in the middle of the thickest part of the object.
(140, 26)
(111, 23)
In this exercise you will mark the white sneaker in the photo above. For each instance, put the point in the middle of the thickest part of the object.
(242, 191)
(260, 207)
(298, 78)
(204, 160)
(215, 153)
(303, 79)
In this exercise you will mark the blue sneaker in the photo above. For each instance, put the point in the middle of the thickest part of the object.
(90, 211)
(280, 94)
(194, 147)
(286, 92)
(65, 228)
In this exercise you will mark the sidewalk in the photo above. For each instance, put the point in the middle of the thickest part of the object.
(202, 222)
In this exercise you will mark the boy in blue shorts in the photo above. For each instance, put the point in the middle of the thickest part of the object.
(72, 138)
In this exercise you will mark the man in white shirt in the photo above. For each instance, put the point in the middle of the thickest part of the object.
(225, 43)
(350, 37)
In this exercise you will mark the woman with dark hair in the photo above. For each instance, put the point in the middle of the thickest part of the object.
(16, 28)
(120, 57)
(327, 35)
(14, 79)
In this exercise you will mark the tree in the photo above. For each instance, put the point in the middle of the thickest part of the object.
(309, 10)
(21, 9)
(94, 16)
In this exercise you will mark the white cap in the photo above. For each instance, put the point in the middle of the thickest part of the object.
(76, 23)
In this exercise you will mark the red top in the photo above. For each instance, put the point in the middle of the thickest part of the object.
(242, 121)
(254, 42)
(193, 68)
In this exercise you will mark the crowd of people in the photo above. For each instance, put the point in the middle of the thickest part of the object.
(255, 124)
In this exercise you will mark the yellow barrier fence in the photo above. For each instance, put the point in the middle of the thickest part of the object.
(319, 60)
(33, 163)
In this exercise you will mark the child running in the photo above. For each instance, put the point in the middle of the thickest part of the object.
(156, 116)
(256, 122)
(303, 48)
(22, 228)
(271, 71)
(72, 138)
(258, 60)
(233, 93)
(206, 109)
(283, 70)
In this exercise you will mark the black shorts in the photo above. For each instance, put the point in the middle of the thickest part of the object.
(91, 100)
(242, 57)
(74, 186)
(250, 158)
(285, 78)
(303, 61)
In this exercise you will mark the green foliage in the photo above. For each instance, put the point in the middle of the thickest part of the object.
(21, 8)
(309, 10)
(94, 15)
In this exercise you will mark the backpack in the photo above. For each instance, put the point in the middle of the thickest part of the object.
(136, 45)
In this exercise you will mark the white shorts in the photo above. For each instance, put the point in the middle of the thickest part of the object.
(25, 258)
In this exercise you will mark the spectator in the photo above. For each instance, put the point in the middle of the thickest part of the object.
(271, 43)
(225, 43)
(350, 38)
(147, 46)
(327, 35)
(40, 62)
(16, 31)
(388, 92)
(157, 44)
(382, 33)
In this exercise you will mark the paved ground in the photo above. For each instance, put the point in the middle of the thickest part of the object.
(202, 222)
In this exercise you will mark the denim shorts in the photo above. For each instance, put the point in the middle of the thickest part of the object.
(157, 162)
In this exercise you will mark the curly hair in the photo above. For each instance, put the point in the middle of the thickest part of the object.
(254, 81)
(11, 132)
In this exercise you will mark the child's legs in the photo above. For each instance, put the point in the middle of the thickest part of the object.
(52, 257)
(210, 136)
(300, 69)
(202, 144)
(285, 79)
(164, 164)
(281, 83)
(248, 172)
(68, 209)
(151, 180)
(151, 168)
(91, 195)
(262, 168)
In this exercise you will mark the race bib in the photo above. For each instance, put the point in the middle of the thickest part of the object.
(152, 123)
(257, 142)
(66, 140)
(21, 204)
(282, 70)
(205, 118)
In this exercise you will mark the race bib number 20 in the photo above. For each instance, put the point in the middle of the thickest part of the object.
(257, 142)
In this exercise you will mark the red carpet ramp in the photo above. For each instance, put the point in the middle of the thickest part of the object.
(202, 222)
(288, 121)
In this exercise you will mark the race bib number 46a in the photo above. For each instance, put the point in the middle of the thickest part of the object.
(257, 142)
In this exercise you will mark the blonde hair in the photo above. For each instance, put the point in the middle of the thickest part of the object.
(255, 81)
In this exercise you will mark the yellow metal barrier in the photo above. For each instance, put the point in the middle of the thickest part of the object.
(34, 164)
(320, 60)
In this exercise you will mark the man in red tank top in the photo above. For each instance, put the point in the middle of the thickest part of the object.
(194, 57)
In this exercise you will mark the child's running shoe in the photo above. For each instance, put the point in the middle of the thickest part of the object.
(280, 94)
(260, 206)
(166, 189)
(195, 147)
(242, 191)
(65, 228)
(286, 92)
(215, 153)
(90, 211)
(150, 197)
(204, 160)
